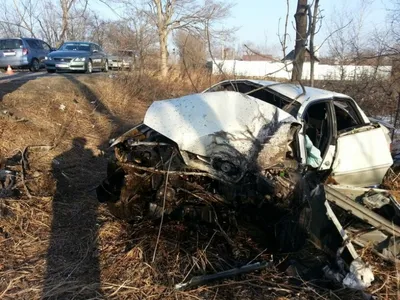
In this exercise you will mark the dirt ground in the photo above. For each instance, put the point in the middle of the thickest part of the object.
(57, 242)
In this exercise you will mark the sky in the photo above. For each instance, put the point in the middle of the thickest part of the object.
(258, 20)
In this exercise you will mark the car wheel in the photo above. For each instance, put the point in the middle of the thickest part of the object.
(35, 65)
(105, 69)
(89, 67)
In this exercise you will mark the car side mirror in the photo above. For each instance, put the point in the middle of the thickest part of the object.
(53, 49)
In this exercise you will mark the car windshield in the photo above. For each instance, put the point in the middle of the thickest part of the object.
(10, 44)
(75, 47)
(123, 53)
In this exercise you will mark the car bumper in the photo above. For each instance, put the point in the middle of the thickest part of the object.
(66, 66)
(14, 62)
(120, 65)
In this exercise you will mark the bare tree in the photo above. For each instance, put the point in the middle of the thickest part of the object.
(133, 32)
(66, 6)
(192, 50)
(189, 15)
(315, 18)
(301, 39)
(19, 17)
(54, 21)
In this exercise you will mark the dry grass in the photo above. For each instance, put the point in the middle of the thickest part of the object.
(61, 244)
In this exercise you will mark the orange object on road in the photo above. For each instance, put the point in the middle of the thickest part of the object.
(9, 70)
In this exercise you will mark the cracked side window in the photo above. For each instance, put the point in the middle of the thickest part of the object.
(346, 116)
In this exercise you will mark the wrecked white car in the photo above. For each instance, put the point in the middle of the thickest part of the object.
(247, 141)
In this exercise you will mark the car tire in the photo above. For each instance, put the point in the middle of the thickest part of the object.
(51, 71)
(35, 65)
(105, 69)
(89, 67)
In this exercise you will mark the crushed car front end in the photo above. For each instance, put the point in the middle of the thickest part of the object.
(235, 149)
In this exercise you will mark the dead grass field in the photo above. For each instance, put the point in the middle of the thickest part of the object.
(59, 243)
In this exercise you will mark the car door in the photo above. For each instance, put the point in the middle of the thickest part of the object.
(317, 139)
(46, 48)
(96, 56)
(103, 56)
(42, 50)
(362, 155)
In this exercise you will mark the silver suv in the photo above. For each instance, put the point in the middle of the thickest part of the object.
(23, 53)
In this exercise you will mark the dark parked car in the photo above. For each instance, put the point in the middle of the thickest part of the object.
(77, 56)
(23, 53)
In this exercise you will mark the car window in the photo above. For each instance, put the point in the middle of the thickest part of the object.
(9, 44)
(290, 107)
(45, 46)
(346, 115)
(316, 125)
(75, 47)
(34, 44)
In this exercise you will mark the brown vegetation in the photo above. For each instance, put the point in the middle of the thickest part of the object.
(59, 243)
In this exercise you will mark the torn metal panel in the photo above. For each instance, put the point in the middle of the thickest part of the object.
(360, 275)
(331, 215)
(336, 194)
(378, 212)
(229, 122)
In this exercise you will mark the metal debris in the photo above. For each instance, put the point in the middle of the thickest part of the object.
(201, 280)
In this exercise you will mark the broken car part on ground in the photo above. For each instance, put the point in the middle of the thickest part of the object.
(243, 143)
(8, 180)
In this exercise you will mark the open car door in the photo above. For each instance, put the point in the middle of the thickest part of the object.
(362, 155)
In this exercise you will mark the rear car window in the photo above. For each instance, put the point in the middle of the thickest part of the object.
(9, 44)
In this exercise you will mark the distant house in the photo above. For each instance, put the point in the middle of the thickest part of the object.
(307, 56)
(258, 57)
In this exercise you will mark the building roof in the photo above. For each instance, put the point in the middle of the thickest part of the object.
(257, 57)
(290, 55)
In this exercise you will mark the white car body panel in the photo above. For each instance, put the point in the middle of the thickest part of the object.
(362, 157)
(201, 123)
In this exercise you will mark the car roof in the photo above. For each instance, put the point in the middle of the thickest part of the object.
(79, 42)
(294, 91)
(11, 38)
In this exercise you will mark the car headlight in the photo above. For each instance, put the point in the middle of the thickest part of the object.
(80, 59)
(47, 58)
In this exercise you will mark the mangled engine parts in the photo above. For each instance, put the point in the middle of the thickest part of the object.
(211, 156)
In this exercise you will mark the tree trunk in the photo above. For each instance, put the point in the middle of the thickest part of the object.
(64, 26)
(301, 37)
(163, 54)
(312, 34)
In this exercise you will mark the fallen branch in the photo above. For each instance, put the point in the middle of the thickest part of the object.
(199, 280)
(163, 207)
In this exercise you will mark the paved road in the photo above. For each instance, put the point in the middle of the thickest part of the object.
(21, 75)
(27, 75)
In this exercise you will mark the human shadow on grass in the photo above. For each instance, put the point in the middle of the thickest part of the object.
(73, 269)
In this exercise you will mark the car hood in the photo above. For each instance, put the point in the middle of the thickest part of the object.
(231, 122)
(69, 54)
